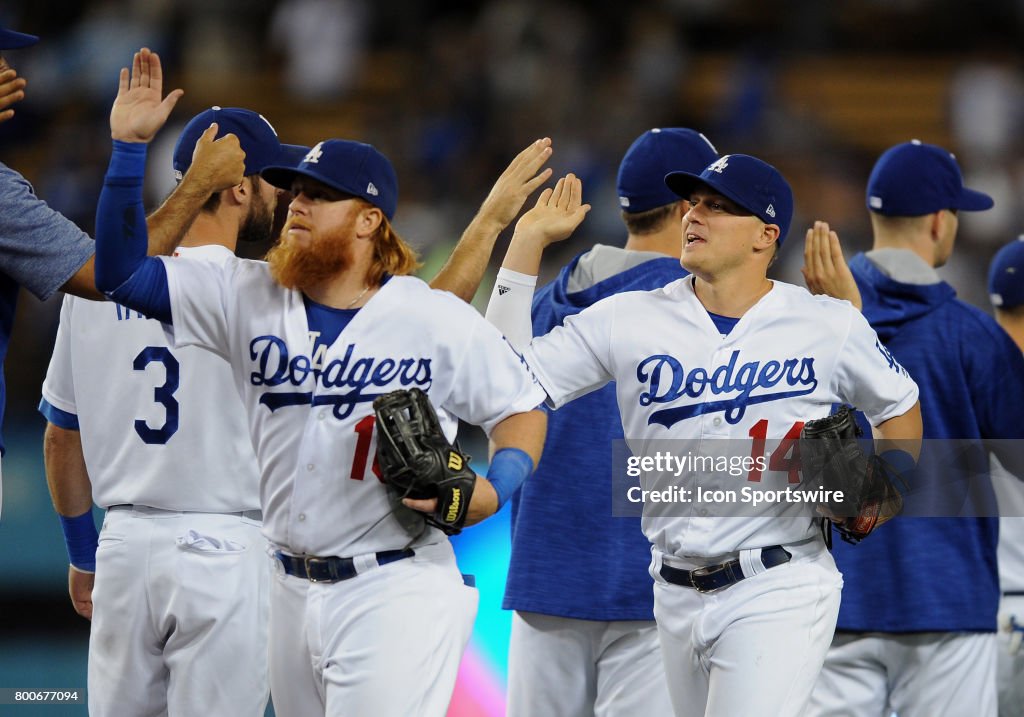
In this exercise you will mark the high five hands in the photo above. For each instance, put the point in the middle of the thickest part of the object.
(825, 269)
(140, 109)
(556, 214)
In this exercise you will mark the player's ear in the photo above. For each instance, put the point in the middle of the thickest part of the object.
(936, 224)
(241, 191)
(769, 235)
(369, 220)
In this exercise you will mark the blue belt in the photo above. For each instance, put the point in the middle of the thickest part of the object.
(715, 577)
(332, 569)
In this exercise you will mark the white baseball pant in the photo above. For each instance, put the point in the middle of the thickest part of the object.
(754, 648)
(915, 675)
(180, 615)
(585, 668)
(386, 643)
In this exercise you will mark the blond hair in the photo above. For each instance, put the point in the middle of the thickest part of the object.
(391, 255)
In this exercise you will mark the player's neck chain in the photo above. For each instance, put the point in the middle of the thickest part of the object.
(356, 300)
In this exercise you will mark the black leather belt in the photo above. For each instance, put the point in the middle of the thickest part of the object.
(332, 569)
(715, 577)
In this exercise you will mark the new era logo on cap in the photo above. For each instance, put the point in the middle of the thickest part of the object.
(353, 168)
(914, 178)
(752, 183)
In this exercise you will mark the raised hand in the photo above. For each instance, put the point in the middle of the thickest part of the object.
(12, 89)
(217, 163)
(825, 269)
(140, 109)
(556, 214)
(519, 180)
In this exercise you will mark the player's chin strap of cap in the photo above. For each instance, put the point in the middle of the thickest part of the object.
(715, 577)
(332, 569)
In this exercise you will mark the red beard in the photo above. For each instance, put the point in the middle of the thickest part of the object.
(306, 264)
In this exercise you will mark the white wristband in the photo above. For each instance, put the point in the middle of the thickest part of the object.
(509, 307)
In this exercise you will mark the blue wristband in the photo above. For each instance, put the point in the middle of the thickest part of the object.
(128, 159)
(904, 465)
(81, 539)
(509, 468)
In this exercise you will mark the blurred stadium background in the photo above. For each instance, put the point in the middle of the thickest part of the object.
(450, 91)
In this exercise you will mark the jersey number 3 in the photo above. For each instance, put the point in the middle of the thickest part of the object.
(164, 395)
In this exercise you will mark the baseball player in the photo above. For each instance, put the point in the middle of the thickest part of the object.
(745, 606)
(42, 250)
(1006, 290)
(369, 614)
(584, 641)
(179, 608)
(916, 630)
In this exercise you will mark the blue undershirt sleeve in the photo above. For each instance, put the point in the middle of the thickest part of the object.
(123, 271)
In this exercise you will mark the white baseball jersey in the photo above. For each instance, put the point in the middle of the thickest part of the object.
(1010, 492)
(788, 359)
(134, 395)
(310, 414)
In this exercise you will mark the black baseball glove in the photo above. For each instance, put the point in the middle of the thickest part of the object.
(417, 461)
(832, 458)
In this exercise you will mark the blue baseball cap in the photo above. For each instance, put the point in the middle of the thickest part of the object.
(655, 153)
(255, 134)
(1006, 276)
(753, 184)
(11, 40)
(913, 179)
(351, 167)
(293, 154)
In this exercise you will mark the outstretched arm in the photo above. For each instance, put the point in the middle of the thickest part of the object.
(123, 271)
(555, 216)
(465, 268)
(825, 269)
(141, 108)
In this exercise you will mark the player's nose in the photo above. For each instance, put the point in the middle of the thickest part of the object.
(299, 203)
(692, 214)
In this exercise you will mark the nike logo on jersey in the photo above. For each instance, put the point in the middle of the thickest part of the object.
(667, 381)
(275, 367)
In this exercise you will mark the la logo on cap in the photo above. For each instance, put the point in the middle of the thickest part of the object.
(719, 165)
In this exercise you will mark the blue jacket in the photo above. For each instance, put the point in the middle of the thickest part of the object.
(40, 250)
(570, 557)
(918, 574)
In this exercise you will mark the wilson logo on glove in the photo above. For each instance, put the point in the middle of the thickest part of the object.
(417, 461)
